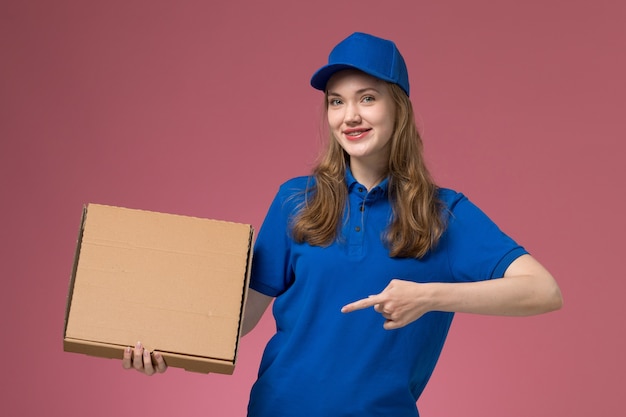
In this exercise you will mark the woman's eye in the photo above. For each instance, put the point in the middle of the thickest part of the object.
(334, 102)
(368, 99)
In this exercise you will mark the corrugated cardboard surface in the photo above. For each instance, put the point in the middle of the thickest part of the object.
(175, 283)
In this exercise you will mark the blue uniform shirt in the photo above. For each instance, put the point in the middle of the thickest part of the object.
(322, 362)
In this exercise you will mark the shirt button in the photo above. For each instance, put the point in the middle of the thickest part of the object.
(360, 189)
(358, 228)
(362, 208)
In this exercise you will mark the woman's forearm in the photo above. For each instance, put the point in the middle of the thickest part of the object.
(526, 289)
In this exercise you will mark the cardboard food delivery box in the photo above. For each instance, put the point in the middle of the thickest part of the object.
(177, 284)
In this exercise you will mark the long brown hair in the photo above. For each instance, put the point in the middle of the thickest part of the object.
(417, 222)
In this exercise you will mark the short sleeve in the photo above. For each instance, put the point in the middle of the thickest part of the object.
(272, 273)
(477, 248)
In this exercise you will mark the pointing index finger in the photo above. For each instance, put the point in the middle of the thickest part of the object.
(361, 304)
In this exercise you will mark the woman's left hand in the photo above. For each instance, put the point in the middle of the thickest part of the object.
(400, 303)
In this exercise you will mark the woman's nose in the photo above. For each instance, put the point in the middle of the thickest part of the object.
(352, 115)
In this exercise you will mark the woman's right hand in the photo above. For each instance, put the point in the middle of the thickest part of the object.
(141, 360)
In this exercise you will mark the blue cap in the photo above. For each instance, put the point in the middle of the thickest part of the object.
(375, 56)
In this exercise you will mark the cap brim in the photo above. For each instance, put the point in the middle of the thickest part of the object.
(321, 76)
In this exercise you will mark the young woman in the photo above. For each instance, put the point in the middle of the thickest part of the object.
(367, 260)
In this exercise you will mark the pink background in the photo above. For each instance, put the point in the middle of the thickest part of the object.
(203, 108)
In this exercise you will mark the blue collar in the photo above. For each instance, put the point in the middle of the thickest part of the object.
(380, 189)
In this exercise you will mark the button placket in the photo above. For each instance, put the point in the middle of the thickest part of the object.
(356, 233)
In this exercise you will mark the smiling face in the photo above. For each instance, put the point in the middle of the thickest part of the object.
(361, 115)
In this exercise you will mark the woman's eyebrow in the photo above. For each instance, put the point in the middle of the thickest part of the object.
(361, 91)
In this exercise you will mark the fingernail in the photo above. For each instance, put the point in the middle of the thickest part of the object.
(127, 349)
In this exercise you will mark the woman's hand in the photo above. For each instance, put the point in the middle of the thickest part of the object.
(400, 303)
(141, 360)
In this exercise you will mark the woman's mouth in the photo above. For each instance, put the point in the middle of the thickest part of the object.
(355, 134)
